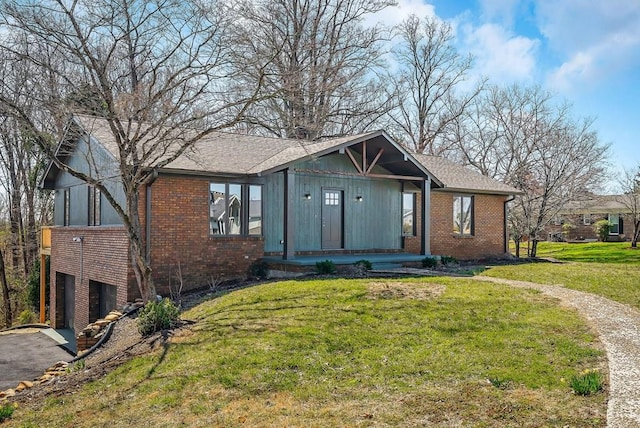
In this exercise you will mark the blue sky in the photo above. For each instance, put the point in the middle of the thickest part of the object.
(585, 51)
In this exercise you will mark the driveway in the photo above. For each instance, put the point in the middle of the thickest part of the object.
(26, 353)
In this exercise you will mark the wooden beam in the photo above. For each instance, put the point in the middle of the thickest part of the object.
(353, 160)
(350, 174)
(364, 155)
(43, 285)
(396, 177)
(375, 160)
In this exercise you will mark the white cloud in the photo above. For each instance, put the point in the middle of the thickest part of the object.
(500, 55)
(394, 15)
(499, 10)
(595, 39)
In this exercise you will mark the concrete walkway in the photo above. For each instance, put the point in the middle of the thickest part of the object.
(618, 326)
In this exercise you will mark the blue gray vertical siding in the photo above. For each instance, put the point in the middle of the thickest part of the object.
(79, 194)
(373, 223)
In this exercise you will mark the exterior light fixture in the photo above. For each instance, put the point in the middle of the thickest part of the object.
(307, 195)
(359, 198)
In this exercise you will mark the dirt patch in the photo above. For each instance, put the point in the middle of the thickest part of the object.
(404, 290)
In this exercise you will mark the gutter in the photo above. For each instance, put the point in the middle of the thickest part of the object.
(147, 212)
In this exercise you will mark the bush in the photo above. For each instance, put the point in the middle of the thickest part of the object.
(6, 410)
(365, 264)
(258, 269)
(156, 316)
(325, 267)
(33, 284)
(586, 383)
(602, 229)
(429, 262)
(27, 317)
(448, 260)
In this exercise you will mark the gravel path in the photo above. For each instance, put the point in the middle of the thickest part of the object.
(618, 326)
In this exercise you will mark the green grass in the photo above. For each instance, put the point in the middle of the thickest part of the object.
(609, 269)
(592, 252)
(436, 352)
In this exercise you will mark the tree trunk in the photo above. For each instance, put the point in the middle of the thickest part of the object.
(517, 242)
(533, 248)
(139, 261)
(636, 234)
(8, 316)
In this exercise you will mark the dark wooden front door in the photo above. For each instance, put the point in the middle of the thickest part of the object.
(69, 301)
(332, 219)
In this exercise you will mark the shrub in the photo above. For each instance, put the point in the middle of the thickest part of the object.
(602, 229)
(566, 230)
(6, 410)
(258, 269)
(586, 383)
(448, 260)
(27, 317)
(365, 264)
(33, 284)
(429, 262)
(325, 267)
(156, 316)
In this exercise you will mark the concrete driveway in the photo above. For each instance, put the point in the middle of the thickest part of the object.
(26, 353)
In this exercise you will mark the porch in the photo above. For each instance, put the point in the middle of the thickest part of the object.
(377, 260)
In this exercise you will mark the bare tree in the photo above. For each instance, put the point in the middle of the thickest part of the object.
(427, 85)
(157, 71)
(629, 183)
(524, 138)
(320, 64)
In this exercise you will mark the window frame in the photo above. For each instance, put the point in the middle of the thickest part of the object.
(586, 219)
(617, 224)
(244, 218)
(94, 206)
(472, 222)
(413, 214)
(66, 206)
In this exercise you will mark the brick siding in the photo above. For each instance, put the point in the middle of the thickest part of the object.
(488, 237)
(103, 256)
(180, 237)
(582, 231)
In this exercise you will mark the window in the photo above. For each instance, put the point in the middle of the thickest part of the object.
(408, 214)
(463, 215)
(235, 209)
(94, 206)
(67, 206)
(255, 210)
(614, 220)
(586, 219)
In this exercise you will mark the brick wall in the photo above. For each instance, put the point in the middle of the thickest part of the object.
(585, 231)
(180, 237)
(488, 238)
(103, 256)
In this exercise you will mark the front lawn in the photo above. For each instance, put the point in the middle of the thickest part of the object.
(386, 352)
(609, 269)
(592, 252)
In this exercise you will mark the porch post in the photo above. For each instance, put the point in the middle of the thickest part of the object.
(425, 235)
(289, 215)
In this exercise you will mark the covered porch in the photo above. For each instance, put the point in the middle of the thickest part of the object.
(377, 260)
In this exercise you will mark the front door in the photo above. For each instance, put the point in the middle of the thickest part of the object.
(332, 219)
(69, 301)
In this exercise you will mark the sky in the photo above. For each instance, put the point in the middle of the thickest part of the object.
(586, 52)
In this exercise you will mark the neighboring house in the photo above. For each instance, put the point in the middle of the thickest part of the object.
(577, 218)
(235, 199)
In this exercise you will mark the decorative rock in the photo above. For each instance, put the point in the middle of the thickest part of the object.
(25, 384)
(9, 392)
(102, 323)
(112, 317)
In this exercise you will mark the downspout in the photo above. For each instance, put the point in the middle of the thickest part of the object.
(147, 220)
(506, 225)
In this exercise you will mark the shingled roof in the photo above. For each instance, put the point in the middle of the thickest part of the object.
(455, 177)
(599, 204)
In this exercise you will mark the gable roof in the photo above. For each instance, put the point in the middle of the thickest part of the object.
(599, 204)
(457, 178)
(225, 153)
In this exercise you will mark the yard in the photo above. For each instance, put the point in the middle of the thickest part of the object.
(341, 352)
(610, 269)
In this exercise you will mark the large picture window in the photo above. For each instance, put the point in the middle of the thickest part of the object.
(235, 209)
(614, 221)
(66, 219)
(463, 215)
(408, 214)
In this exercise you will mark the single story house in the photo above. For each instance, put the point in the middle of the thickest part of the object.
(235, 199)
(575, 221)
